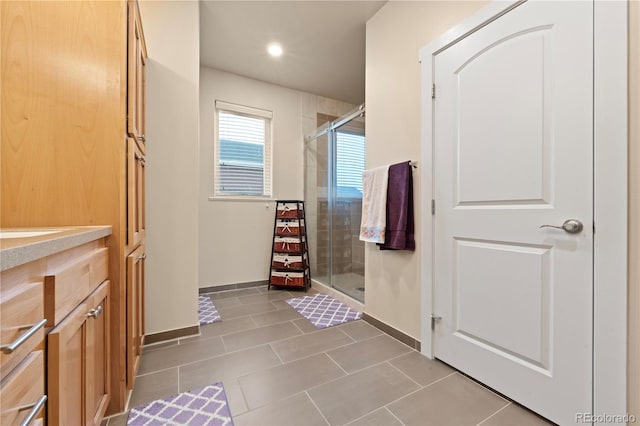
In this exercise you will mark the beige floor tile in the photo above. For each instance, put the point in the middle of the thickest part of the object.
(159, 345)
(184, 353)
(224, 327)
(258, 336)
(350, 397)
(295, 411)
(226, 367)
(154, 386)
(245, 310)
(381, 417)
(233, 293)
(226, 303)
(271, 296)
(515, 415)
(263, 289)
(119, 420)
(275, 317)
(235, 398)
(359, 330)
(454, 400)
(368, 352)
(310, 344)
(422, 369)
(281, 304)
(266, 386)
(305, 325)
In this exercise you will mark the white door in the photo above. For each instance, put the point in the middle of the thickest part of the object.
(513, 150)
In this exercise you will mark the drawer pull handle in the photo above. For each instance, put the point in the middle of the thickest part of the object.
(35, 409)
(95, 312)
(7, 349)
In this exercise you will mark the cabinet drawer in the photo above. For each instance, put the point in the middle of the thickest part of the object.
(21, 314)
(22, 390)
(69, 286)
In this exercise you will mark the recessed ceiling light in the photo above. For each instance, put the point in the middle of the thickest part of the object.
(274, 49)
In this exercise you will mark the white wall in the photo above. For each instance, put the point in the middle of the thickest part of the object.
(394, 36)
(171, 30)
(235, 236)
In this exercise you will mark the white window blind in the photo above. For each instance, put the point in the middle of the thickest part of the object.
(242, 151)
(350, 160)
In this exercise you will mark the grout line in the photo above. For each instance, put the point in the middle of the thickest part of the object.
(405, 374)
(486, 388)
(157, 371)
(275, 352)
(495, 413)
(317, 408)
(299, 328)
(377, 363)
(346, 334)
(396, 417)
(336, 363)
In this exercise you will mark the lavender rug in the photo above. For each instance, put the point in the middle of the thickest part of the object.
(207, 312)
(323, 310)
(205, 406)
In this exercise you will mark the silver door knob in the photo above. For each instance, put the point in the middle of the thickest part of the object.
(572, 226)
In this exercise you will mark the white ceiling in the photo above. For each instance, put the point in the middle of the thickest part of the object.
(323, 42)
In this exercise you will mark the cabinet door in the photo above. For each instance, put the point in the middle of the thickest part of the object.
(136, 79)
(135, 312)
(135, 192)
(78, 355)
(98, 352)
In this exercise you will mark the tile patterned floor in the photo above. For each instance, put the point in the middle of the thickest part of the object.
(277, 370)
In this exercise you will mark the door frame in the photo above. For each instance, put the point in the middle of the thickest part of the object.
(610, 134)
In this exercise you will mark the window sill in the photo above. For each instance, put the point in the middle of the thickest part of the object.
(239, 198)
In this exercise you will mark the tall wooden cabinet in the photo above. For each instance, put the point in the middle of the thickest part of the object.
(73, 143)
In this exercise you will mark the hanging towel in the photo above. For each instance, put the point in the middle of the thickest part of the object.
(374, 204)
(399, 233)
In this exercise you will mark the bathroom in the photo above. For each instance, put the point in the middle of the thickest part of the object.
(200, 241)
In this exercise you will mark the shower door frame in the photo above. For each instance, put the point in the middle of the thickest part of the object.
(330, 129)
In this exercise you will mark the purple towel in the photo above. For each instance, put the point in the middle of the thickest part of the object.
(399, 234)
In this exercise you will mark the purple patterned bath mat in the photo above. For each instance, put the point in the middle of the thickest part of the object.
(323, 310)
(207, 312)
(205, 406)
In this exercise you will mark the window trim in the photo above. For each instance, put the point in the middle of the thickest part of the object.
(251, 112)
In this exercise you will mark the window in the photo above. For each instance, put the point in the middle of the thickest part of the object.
(242, 151)
(350, 158)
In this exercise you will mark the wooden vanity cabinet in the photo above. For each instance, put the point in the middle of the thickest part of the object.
(86, 99)
(136, 163)
(137, 57)
(78, 363)
(135, 311)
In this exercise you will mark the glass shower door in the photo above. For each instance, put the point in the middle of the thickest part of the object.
(347, 251)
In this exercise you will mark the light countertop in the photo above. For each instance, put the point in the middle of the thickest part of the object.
(28, 247)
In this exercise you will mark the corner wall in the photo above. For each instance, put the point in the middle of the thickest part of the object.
(394, 36)
(235, 236)
(172, 35)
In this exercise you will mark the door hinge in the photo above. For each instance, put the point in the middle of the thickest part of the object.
(433, 207)
(433, 91)
(434, 318)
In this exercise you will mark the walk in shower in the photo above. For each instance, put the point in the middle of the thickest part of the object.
(334, 162)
